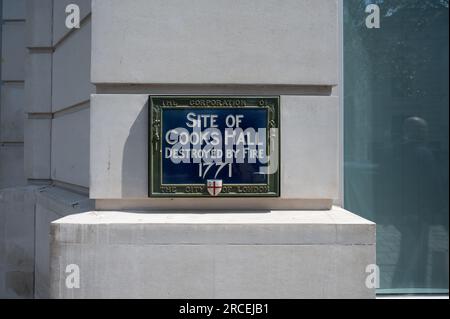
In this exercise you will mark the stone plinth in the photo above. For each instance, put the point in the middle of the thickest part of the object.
(229, 254)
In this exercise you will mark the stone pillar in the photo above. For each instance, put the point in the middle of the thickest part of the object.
(296, 245)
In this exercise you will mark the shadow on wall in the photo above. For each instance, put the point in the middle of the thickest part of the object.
(17, 235)
(135, 158)
(25, 217)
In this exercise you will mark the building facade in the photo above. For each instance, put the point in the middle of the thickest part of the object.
(364, 126)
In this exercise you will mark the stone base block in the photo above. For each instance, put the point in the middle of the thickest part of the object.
(239, 254)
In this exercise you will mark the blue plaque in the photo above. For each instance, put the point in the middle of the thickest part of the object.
(213, 146)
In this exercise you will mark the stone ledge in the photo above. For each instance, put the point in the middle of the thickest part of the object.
(213, 254)
(335, 226)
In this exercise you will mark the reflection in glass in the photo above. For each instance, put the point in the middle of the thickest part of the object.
(396, 137)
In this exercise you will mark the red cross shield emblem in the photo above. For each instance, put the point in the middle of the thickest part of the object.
(214, 186)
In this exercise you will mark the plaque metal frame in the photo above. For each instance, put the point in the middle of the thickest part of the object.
(159, 103)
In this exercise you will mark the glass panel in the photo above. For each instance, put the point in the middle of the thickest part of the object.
(396, 137)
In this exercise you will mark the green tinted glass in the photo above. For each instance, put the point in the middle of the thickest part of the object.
(396, 137)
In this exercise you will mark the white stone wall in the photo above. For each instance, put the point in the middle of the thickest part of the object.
(215, 42)
(211, 47)
(44, 135)
(25, 217)
(45, 76)
(52, 203)
(281, 56)
(38, 90)
(16, 203)
(58, 89)
(17, 236)
(12, 93)
(58, 92)
(309, 149)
